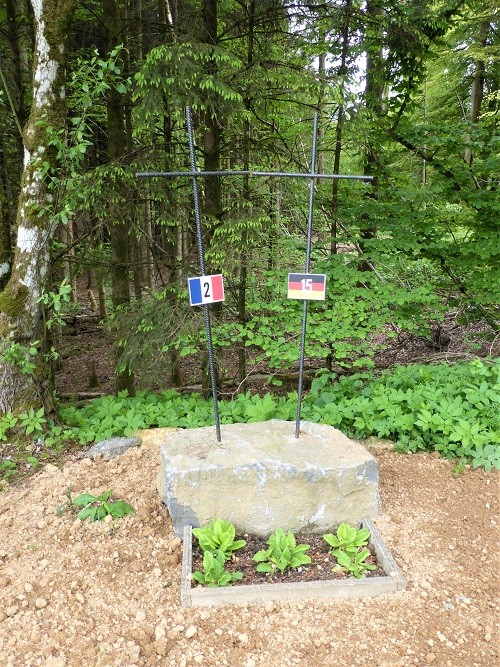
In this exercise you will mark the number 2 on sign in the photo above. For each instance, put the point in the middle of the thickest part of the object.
(306, 284)
(206, 287)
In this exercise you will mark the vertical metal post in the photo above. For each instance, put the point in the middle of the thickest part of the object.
(312, 182)
(201, 257)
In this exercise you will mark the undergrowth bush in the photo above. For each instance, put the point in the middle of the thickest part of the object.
(451, 408)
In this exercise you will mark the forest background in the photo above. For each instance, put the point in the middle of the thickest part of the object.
(407, 93)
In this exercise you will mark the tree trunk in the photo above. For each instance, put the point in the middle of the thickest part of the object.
(20, 311)
(477, 88)
(374, 92)
(213, 206)
(118, 231)
(342, 73)
(5, 242)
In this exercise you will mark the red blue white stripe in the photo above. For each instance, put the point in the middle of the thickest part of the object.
(205, 289)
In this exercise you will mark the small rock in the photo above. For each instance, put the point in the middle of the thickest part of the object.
(140, 616)
(161, 646)
(41, 524)
(12, 610)
(112, 447)
(487, 637)
(51, 468)
(3, 615)
(270, 606)
(243, 638)
(430, 657)
(144, 513)
(80, 597)
(199, 658)
(55, 662)
(191, 631)
(4, 581)
(40, 603)
(28, 587)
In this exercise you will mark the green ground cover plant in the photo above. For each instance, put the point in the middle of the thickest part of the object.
(283, 553)
(95, 508)
(218, 537)
(450, 408)
(349, 549)
(214, 573)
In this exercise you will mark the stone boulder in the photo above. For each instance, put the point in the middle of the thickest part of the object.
(261, 478)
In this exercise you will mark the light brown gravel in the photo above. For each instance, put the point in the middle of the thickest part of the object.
(74, 594)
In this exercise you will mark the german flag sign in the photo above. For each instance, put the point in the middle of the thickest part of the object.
(307, 286)
(205, 289)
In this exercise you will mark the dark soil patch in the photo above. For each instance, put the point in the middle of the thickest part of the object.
(320, 568)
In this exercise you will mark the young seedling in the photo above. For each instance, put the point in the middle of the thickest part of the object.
(96, 508)
(283, 553)
(348, 539)
(218, 537)
(215, 575)
(348, 549)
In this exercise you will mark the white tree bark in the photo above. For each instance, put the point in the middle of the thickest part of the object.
(20, 311)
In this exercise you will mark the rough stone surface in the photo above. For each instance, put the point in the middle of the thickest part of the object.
(261, 477)
(112, 447)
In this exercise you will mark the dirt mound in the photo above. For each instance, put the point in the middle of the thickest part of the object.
(75, 594)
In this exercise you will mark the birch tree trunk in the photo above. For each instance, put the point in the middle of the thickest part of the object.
(20, 312)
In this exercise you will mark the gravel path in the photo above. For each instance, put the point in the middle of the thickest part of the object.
(74, 594)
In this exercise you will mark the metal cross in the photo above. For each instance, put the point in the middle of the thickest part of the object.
(194, 175)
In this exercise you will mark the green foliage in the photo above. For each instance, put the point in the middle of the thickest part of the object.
(19, 355)
(214, 573)
(178, 72)
(32, 421)
(356, 565)
(348, 539)
(56, 302)
(7, 422)
(450, 408)
(348, 549)
(283, 553)
(96, 508)
(7, 469)
(218, 537)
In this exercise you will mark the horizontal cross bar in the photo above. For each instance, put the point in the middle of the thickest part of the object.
(282, 174)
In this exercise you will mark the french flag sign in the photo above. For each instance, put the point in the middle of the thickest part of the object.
(205, 289)
(307, 286)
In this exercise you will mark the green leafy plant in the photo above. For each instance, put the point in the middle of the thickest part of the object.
(217, 537)
(32, 421)
(96, 508)
(7, 468)
(355, 565)
(214, 573)
(347, 539)
(283, 553)
(7, 421)
(348, 548)
(449, 408)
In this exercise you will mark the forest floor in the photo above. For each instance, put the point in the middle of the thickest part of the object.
(74, 594)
